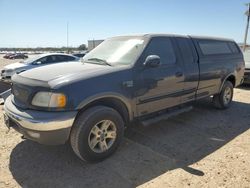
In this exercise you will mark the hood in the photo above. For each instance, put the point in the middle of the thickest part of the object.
(14, 66)
(55, 74)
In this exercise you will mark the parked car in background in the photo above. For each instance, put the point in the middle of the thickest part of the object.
(6, 56)
(18, 56)
(247, 68)
(144, 78)
(45, 59)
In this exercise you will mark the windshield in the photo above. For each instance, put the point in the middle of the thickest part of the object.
(116, 51)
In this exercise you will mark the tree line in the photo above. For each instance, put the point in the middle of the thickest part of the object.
(82, 47)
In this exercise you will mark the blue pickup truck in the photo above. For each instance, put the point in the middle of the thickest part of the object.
(145, 78)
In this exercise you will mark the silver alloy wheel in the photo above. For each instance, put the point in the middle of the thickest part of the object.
(102, 136)
(227, 95)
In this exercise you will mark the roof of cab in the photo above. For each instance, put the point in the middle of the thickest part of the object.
(149, 35)
(212, 38)
(192, 36)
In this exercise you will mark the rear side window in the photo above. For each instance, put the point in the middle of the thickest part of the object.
(214, 48)
(186, 49)
(53, 59)
(69, 58)
(162, 47)
(61, 58)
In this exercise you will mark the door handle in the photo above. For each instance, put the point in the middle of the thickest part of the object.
(179, 74)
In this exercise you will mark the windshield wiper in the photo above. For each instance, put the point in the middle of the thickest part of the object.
(99, 60)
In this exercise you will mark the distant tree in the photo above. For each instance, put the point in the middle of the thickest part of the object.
(48, 49)
(82, 47)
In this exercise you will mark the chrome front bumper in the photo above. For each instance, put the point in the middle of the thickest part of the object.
(51, 128)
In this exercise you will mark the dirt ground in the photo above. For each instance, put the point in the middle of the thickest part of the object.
(201, 148)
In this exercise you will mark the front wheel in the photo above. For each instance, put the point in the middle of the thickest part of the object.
(96, 133)
(224, 98)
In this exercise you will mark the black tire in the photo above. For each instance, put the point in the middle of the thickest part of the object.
(218, 100)
(83, 125)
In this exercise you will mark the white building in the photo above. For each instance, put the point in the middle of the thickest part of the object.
(93, 43)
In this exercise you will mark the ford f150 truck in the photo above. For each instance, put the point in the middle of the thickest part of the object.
(145, 78)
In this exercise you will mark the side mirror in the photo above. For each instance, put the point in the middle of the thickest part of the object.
(152, 61)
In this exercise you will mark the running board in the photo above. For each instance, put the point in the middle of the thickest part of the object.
(165, 116)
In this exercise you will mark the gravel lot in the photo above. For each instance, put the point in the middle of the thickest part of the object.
(201, 148)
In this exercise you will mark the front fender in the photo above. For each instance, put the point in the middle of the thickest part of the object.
(127, 102)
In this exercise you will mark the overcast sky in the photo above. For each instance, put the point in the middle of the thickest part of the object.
(40, 23)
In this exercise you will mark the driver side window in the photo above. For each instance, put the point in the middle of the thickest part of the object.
(162, 47)
(44, 60)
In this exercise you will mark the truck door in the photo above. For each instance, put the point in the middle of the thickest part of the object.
(159, 87)
(190, 68)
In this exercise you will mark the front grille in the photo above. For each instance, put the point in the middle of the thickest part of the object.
(21, 95)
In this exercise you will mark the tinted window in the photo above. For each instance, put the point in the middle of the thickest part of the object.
(62, 58)
(53, 59)
(69, 58)
(45, 60)
(214, 48)
(79, 55)
(162, 47)
(186, 49)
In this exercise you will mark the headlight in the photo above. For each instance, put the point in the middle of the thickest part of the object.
(49, 99)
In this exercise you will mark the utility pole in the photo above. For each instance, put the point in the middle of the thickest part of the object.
(68, 37)
(247, 26)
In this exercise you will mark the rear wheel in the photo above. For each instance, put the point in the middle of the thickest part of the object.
(224, 98)
(97, 133)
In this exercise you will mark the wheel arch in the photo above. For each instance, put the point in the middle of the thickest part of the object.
(231, 78)
(115, 101)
